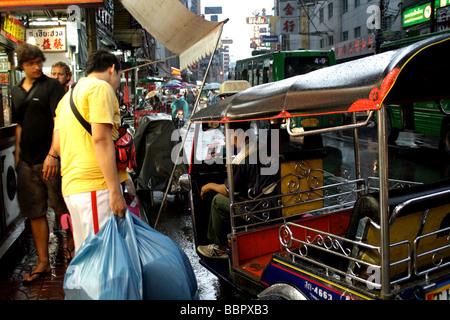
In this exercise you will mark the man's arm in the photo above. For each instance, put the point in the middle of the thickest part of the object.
(55, 143)
(51, 164)
(106, 158)
(50, 167)
(17, 151)
(220, 188)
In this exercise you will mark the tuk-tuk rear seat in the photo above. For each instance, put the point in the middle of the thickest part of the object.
(300, 165)
(412, 221)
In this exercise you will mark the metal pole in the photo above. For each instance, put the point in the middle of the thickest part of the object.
(189, 125)
(384, 203)
(356, 148)
(229, 149)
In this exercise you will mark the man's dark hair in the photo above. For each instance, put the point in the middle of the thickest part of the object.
(100, 61)
(28, 52)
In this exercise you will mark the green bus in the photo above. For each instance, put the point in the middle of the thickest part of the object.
(424, 117)
(428, 117)
(275, 66)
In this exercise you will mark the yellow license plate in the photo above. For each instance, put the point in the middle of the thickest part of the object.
(311, 122)
(443, 293)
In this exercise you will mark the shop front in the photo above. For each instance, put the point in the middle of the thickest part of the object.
(12, 34)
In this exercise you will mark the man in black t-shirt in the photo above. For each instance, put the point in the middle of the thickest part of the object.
(34, 101)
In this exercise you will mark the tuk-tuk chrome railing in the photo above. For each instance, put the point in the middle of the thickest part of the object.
(420, 262)
(435, 254)
(373, 184)
(330, 129)
(337, 193)
(342, 248)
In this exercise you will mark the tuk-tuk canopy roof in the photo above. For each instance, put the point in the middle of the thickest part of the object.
(413, 73)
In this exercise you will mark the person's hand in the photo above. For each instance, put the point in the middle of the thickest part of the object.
(205, 189)
(118, 204)
(50, 168)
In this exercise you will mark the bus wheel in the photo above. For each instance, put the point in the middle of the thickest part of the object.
(445, 139)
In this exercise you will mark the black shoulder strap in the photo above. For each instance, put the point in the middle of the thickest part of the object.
(77, 114)
(30, 94)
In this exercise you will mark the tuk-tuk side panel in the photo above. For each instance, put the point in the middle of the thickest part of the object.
(255, 248)
(309, 282)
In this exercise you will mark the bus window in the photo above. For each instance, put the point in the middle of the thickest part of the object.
(259, 71)
(300, 65)
(265, 75)
(237, 71)
(257, 77)
(244, 75)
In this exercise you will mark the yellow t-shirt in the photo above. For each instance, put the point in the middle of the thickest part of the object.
(97, 103)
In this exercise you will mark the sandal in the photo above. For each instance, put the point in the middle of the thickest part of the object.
(40, 275)
(69, 254)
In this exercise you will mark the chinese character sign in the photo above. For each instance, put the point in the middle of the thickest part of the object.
(288, 9)
(49, 39)
(355, 47)
(289, 17)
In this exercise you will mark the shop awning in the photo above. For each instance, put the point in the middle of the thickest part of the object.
(176, 28)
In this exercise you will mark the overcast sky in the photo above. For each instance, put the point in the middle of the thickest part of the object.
(236, 28)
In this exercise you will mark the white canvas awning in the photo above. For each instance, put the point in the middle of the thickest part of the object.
(177, 28)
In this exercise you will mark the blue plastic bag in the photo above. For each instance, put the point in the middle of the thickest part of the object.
(166, 270)
(104, 268)
(127, 259)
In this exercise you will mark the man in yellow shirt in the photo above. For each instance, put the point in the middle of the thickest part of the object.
(90, 178)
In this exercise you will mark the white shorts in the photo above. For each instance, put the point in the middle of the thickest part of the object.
(89, 211)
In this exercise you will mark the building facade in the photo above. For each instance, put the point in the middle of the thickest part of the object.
(354, 28)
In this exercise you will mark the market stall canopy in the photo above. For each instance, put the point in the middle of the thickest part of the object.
(177, 28)
(413, 73)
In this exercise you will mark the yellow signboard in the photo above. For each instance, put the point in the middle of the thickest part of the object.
(12, 28)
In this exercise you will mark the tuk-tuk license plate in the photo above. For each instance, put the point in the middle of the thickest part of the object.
(311, 122)
(443, 293)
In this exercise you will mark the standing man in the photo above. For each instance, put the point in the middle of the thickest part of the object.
(90, 178)
(62, 73)
(34, 101)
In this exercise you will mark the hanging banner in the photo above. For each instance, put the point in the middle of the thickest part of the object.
(49, 39)
(175, 71)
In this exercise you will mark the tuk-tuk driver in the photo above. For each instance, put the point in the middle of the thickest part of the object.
(248, 180)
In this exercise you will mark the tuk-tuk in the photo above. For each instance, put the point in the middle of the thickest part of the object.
(229, 88)
(319, 235)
